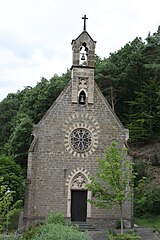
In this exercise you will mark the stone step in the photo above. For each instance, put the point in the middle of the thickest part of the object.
(83, 226)
(147, 234)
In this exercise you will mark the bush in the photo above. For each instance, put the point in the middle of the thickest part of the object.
(118, 225)
(14, 219)
(10, 237)
(147, 202)
(140, 171)
(140, 198)
(56, 218)
(59, 232)
(152, 222)
(125, 236)
(30, 233)
(153, 201)
(13, 177)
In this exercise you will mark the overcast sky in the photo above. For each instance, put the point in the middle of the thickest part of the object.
(36, 35)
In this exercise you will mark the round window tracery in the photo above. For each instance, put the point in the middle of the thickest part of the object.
(81, 139)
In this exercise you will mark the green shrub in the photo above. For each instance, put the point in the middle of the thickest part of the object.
(10, 237)
(56, 218)
(112, 232)
(153, 201)
(125, 236)
(59, 232)
(147, 202)
(30, 233)
(149, 221)
(140, 198)
(12, 176)
(140, 170)
(118, 225)
(14, 219)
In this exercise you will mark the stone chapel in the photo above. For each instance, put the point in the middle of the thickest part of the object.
(76, 129)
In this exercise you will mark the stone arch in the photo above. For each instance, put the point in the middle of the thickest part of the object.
(83, 54)
(84, 90)
(82, 97)
(77, 180)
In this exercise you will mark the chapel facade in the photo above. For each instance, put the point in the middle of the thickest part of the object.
(77, 129)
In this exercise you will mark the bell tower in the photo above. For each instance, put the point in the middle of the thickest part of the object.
(83, 48)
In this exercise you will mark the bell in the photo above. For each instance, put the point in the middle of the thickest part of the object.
(82, 101)
(83, 57)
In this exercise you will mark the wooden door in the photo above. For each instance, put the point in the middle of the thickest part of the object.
(78, 205)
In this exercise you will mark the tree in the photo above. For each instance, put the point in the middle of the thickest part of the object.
(19, 141)
(120, 75)
(5, 201)
(13, 176)
(144, 114)
(113, 184)
(8, 110)
(7, 207)
(37, 100)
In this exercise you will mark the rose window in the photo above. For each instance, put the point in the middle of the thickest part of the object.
(80, 140)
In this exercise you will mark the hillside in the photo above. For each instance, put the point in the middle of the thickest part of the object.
(147, 159)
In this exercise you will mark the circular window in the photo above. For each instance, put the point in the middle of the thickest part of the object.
(80, 139)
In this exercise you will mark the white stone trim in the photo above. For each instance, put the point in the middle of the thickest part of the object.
(93, 128)
(94, 137)
(84, 173)
(82, 89)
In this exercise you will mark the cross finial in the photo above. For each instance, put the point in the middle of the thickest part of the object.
(85, 18)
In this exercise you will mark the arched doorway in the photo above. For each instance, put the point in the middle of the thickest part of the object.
(78, 206)
(79, 198)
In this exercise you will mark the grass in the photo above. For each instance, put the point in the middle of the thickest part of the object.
(149, 221)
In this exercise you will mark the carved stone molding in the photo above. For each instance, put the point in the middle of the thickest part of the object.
(83, 83)
(79, 182)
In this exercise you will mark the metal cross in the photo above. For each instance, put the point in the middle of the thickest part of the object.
(85, 18)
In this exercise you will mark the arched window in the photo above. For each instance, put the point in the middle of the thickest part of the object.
(82, 97)
(83, 55)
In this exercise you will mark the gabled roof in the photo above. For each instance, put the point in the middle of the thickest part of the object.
(103, 99)
(81, 35)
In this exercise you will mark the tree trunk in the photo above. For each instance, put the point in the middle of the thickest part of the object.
(121, 216)
(112, 98)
